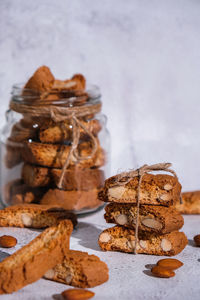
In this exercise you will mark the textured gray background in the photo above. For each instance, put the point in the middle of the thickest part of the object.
(143, 54)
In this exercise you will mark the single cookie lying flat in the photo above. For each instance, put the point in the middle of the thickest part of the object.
(51, 132)
(152, 218)
(30, 263)
(53, 155)
(122, 239)
(79, 269)
(74, 178)
(34, 216)
(155, 190)
(72, 200)
(191, 203)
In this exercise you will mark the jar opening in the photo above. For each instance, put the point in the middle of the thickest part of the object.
(67, 98)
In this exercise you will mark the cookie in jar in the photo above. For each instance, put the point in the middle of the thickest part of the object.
(55, 145)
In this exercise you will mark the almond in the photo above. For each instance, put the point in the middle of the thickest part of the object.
(170, 263)
(77, 294)
(162, 272)
(104, 237)
(151, 223)
(7, 241)
(197, 240)
(121, 219)
(166, 245)
(116, 192)
(168, 187)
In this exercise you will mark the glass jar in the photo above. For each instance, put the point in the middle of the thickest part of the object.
(54, 152)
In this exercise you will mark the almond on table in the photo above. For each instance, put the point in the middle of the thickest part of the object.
(170, 263)
(197, 240)
(77, 294)
(7, 241)
(161, 272)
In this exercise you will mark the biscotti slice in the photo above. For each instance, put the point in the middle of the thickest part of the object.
(16, 192)
(31, 262)
(34, 216)
(51, 132)
(79, 269)
(41, 81)
(53, 155)
(13, 155)
(72, 200)
(119, 238)
(35, 176)
(191, 203)
(73, 179)
(158, 189)
(152, 218)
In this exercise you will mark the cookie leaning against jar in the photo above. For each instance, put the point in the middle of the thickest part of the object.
(63, 141)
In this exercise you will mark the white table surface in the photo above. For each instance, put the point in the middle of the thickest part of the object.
(129, 276)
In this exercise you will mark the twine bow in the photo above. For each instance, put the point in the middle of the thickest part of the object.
(126, 177)
(62, 113)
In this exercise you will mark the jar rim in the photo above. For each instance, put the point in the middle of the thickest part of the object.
(92, 90)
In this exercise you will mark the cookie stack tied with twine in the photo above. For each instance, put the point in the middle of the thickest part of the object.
(57, 141)
(141, 204)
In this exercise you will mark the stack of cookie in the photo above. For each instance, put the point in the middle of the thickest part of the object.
(43, 144)
(158, 222)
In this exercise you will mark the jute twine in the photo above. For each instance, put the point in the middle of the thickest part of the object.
(61, 113)
(126, 177)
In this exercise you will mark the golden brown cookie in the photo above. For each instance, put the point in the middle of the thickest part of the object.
(52, 155)
(32, 261)
(79, 269)
(72, 200)
(155, 190)
(34, 216)
(16, 192)
(119, 238)
(41, 81)
(152, 218)
(51, 132)
(191, 203)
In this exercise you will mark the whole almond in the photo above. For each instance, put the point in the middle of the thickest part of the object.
(197, 240)
(162, 272)
(7, 241)
(77, 294)
(170, 263)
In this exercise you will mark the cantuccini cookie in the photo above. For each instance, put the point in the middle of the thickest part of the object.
(16, 192)
(119, 238)
(41, 81)
(35, 176)
(51, 132)
(32, 261)
(79, 179)
(79, 269)
(158, 189)
(191, 203)
(54, 155)
(13, 155)
(34, 216)
(152, 218)
(73, 179)
(72, 200)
